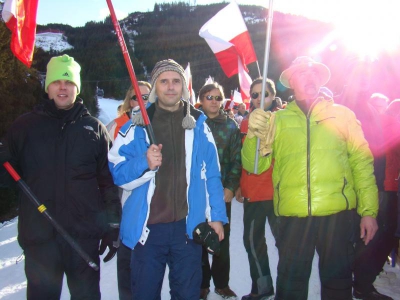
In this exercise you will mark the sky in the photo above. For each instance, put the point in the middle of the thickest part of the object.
(78, 12)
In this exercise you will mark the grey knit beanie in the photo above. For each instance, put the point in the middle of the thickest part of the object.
(170, 65)
(164, 66)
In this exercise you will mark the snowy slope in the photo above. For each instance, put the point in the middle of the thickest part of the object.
(52, 41)
(108, 109)
(13, 281)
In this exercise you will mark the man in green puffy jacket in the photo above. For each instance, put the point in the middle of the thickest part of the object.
(323, 173)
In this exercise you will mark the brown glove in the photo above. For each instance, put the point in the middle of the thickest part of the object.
(262, 125)
(258, 123)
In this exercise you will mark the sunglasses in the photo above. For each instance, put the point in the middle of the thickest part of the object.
(255, 95)
(144, 97)
(217, 98)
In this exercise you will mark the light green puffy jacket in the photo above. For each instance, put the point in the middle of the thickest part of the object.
(322, 165)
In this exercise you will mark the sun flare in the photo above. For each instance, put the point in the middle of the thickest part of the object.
(370, 30)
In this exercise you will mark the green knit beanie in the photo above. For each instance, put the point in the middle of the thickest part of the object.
(63, 68)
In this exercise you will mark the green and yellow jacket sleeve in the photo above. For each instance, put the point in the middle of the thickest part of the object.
(249, 155)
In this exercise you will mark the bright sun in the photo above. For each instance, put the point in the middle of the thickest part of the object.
(370, 29)
(365, 27)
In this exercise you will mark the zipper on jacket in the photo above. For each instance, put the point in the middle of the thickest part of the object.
(279, 197)
(308, 166)
(344, 195)
(308, 117)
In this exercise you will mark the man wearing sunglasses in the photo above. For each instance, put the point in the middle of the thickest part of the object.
(323, 173)
(227, 139)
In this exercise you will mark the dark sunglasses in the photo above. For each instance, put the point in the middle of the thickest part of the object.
(217, 98)
(144, 97)
(255, 95)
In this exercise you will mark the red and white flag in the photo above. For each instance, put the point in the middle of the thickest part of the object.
(227, 35)
(245, 82)
(189, 83)
(20, 18)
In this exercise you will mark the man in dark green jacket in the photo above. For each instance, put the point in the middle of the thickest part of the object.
(323, 172)
(226, 134)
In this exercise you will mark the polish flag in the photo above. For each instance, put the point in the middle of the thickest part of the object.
(20, 18)
(237, 97)
(227, 35)
(245, 82)
(189, 83)
(229, 103)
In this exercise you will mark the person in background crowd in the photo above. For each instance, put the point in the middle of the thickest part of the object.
(388, 213)
(323, 171)
(129, 106)
(235, 109)
(169, 187)
(229, 113)
(242, 110)
(369, 258)
(256, 192)
(227, 139)
(380, 102)
(119, 110)
(60, 151)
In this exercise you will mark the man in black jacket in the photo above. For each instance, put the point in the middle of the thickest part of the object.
(60, 151)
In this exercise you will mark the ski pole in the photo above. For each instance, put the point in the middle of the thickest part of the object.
(128, 62)
(43, 210)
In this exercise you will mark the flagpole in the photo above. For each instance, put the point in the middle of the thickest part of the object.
(128, 62)
(258, 67)
(265, 71)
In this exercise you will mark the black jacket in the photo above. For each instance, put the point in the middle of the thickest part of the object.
(62, 156)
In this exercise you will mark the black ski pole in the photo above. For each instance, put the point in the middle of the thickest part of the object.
(43, 210)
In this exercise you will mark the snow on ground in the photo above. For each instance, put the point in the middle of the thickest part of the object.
(13, 281)
(108, 109)
(52, 41)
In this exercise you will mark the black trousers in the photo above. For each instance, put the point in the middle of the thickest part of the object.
(45, 265)
(124, 272)
(221, 264)
(370, 258)
(297, 240)
(255, 215)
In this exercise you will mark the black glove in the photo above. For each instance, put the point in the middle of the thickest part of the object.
(110, 240)
(204, 235)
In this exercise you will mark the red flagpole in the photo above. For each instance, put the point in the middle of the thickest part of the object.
(132, 75)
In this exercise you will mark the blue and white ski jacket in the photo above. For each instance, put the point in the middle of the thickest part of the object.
(130, 170)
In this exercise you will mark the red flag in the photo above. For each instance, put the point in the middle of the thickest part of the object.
(20, 18)
(188, 75)
(226, 34)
